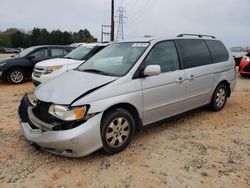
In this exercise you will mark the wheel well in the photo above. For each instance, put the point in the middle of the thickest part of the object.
(131, 109)
(12, 68)
(226, 83)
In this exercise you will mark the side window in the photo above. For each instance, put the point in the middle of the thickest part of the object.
(194, 52)
(218, 51)
(165, 55)
(57, 51)
(40, 54)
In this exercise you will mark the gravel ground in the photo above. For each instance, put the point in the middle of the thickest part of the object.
(199, 149)
(4, 56)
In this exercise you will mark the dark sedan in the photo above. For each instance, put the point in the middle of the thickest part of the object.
(16, 69)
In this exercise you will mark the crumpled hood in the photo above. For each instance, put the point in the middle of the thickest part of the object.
(57, 62)
(69, 86)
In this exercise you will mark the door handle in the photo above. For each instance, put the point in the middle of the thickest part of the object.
(180, 80)
(191, 77)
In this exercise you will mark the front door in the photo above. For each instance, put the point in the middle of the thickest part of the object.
(163, 95)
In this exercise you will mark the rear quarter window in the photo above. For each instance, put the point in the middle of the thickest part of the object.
(218, 51)
(194, 53)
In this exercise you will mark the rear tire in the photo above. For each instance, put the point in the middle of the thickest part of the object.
(117, 130)
(219, 98)
(16, 76)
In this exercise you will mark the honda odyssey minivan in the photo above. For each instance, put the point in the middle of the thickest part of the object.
(123, 88)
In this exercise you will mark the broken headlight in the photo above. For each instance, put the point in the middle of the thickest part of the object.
(66, 114)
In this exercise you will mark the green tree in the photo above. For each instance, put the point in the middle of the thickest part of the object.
(13, 37)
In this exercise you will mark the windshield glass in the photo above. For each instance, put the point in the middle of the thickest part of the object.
(26, 51)
(115, 59)
(238, 49)
(79, 53)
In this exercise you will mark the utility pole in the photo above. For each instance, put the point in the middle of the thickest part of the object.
(112, 36)
(121, 17)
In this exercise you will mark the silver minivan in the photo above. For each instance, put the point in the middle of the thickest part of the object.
(128, 85)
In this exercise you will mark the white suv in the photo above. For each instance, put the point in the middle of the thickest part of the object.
(52, 68)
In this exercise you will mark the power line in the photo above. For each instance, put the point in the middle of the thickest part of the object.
(142, 12)
(106, 11)
(118, 3)
(130, 4)
(136, 10)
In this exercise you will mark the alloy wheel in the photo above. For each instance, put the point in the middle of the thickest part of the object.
(16, 76)
(220, 97)
(117, 132)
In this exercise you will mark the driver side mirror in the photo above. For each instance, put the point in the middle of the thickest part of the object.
(152, 70)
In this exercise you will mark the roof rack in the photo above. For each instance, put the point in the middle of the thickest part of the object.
(198, 35)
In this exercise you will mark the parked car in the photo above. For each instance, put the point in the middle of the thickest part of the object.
(77, 44)
(238, 53)
(52, 68)
(11, 50)
(15, 70)
(2, 49)
(244, 67)
(125, 87)
(8, 50)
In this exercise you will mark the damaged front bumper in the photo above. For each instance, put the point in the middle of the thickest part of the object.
(76, 142)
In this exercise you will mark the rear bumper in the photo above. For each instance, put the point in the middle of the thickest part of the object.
(76, 142)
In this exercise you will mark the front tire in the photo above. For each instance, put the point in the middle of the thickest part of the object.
(15, 76)
(117, 130)
(219, 98)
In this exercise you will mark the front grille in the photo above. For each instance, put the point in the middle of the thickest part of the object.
(41, 111)
(246, 68)
(37, 72)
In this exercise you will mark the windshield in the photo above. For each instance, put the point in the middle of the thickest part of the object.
(79, 53)
(115, 59)
(238, 49)
(26, 51)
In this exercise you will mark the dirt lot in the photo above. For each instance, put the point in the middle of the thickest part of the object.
(3, 56)
(200, 149)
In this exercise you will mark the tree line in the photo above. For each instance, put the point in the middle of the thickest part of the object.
(15, 38)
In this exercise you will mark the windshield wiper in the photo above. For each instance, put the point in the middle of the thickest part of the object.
(67, 57)
(97, 71)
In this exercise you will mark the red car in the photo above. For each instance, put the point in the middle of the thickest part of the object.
(244, 67)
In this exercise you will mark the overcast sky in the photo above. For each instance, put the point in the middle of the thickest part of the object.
(226, 19)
